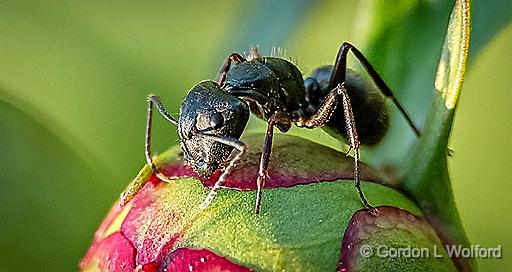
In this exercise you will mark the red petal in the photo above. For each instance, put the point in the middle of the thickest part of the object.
(114, 253)
(150, 226)
(286, 169)
(364, 225)
(202, 260)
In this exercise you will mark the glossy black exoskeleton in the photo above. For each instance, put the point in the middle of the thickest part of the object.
(213, 115)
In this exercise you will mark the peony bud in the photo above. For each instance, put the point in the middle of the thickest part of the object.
(311, 219)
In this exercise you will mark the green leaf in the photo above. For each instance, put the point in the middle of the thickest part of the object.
(427, 178)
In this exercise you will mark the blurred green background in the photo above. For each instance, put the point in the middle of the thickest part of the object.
(74, 76)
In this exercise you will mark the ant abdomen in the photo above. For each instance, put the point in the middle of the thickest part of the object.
(369, 106)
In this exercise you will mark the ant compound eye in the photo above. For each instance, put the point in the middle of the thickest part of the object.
(217, 120)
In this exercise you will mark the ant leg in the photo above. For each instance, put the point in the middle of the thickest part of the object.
(240, 146)
(263, 168)
(348, 151)
(338, 76)
(155, 101)
(354, 143)
(324, 112)
(225, 67)
(265, 156)
(323, 115)
(137, 184)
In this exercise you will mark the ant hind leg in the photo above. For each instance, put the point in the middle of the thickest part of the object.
(339, 75)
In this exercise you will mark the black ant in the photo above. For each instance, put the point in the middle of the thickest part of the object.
(213, 115)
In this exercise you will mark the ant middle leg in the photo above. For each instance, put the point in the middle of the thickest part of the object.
(324, 114)
(279, 117)
(338, 76)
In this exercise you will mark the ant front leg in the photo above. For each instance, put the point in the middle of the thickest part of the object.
(155, 101)
(339, 73)
(225, 67)
(137, 184)
(240, 146)
(323, 115)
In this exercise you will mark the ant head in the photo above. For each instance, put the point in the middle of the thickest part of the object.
(207, 110)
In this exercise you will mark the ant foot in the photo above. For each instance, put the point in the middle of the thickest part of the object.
(371, 210)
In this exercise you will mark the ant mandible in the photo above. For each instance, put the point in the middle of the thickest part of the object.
(213, 115)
